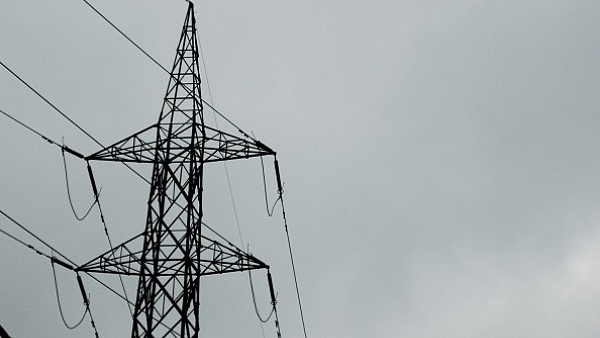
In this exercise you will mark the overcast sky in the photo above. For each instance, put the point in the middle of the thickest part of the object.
(441, 161)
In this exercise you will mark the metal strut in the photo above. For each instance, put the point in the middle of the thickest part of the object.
(3, 333)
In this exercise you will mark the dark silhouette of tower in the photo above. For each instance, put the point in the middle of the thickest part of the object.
(171, 254)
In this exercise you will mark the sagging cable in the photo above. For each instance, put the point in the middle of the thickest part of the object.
(254, 301)
(79, 218)
(62, 316)
(254, 296)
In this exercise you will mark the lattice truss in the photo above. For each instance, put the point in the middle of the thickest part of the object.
(171, 254)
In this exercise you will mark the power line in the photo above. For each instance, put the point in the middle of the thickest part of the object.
(50, 104)
(30, 129)
(53, 259)
(97, 201)
(29, 246)
(63, 115)
(217, 112)
(289, 242)
(36, 237)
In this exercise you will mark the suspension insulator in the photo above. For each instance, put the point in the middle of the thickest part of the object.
(80, 282)
(271, 288)
(89, 168)
(279, 186)
(61, 263)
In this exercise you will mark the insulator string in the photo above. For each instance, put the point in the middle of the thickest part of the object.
(86, 301)
(271, 209)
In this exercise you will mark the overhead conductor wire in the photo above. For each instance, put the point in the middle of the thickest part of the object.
(96, 193)
(50, 104)
(66, 117)
(52, 259)
(209, 105)
(37, 238)
(287, 233)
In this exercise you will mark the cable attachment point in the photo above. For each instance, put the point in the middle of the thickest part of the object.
(71, 151)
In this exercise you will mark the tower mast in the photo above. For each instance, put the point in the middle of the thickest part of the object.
(172, 253)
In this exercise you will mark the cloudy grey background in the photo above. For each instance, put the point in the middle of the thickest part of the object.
(441, 161)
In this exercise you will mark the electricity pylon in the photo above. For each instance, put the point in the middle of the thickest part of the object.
(172, 254)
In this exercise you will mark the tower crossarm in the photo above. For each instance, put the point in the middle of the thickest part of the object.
(215, 258)
(218, 146)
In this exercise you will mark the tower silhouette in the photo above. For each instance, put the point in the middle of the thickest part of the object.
(172, 253)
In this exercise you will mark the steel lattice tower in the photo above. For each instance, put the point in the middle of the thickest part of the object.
(172, 254)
